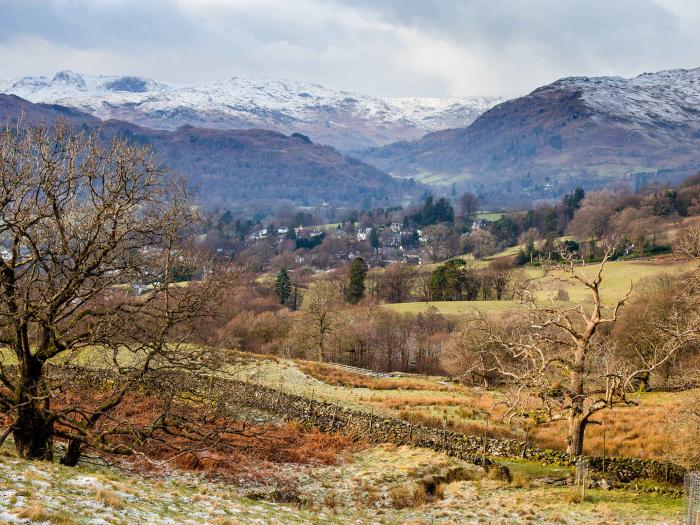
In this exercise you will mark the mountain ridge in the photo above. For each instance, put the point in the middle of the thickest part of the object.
(588, 131)
(341, 118)
(255, 169)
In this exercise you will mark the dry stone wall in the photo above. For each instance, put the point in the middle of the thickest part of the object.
(330, 417)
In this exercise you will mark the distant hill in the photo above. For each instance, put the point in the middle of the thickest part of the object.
(233, 167)
(343, 119)
(587, 131)
(13, 107)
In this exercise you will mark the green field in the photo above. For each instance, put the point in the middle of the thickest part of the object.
(454, 307)
(617, 278)
(489, 215)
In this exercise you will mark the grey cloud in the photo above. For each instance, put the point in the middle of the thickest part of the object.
(387, 47)
(82, 23)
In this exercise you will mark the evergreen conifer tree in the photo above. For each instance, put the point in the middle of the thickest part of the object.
(356, 285)
(374, 238)
(283, 286)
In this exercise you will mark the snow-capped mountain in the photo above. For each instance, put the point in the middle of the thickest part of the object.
(578, 130)
(671, 96)
(251, 169)
(343, 119)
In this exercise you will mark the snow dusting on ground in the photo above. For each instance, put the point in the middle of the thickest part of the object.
(380, 485)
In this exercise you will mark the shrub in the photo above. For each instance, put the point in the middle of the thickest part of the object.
(562, 294)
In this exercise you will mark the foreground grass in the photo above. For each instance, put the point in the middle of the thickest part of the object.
(41, 492)
(380, 485)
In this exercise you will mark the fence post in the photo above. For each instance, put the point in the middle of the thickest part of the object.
(692, 498)
(311, 403)
(581, 476)
(444, 431)
(605, 451)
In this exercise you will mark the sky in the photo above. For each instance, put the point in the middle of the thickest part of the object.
(387, 48)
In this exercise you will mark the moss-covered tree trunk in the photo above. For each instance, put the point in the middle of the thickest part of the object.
(33, 430)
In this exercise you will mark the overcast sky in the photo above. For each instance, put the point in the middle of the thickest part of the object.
(380, 47)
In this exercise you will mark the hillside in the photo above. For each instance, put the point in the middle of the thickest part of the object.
(343, 119)
(13, 108)
(231, 167)
(579, 130)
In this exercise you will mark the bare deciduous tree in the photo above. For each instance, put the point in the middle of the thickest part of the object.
(480, 243)
(469, 205)
(562, 360)
(473, 353)
(687, 241)
(83, 222)
(441, 243)
(319, 320)
(397, 282)
(661, 307)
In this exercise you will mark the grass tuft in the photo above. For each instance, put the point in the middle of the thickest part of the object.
(36, 512)
(110, 498)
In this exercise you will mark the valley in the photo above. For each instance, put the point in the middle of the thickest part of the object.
(303, 263)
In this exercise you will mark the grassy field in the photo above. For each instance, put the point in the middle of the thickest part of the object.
(453, 307)
(489, 215)
(617, 278)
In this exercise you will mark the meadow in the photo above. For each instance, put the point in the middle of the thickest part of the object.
(639, 431)
(618, 277)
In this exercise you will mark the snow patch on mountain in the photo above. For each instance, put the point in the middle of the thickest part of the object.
(343, 118)
(671, 96)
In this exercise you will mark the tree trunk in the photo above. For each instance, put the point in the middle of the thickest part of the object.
(577, 422)
(33, 432)
(33, 435)
(577, 429)
(72, 455)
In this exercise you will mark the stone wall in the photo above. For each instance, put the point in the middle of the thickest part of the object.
(330, 417)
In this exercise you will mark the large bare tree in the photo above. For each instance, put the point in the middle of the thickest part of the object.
(558, 362)
(83, 223)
